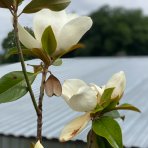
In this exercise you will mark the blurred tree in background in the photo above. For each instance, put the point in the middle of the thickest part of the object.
(115, 32)
(8, 43)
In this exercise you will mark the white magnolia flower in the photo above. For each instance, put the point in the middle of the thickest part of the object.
(80, 97)
(84, 98)
(68, 29)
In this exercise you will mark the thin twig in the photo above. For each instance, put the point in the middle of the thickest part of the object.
(15, 25)
(42, 88)
(90, 139)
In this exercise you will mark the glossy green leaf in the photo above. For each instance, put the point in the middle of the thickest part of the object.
(97, 109)
(14, 51)
(8, 3)
(106, 97)
(19, 2)
(102, 142)
(127, 107)
(108, 128)
(92, 140)
(49, 42)
(112, 105)
(57, 62)
(37, 5)
(13, 86)
(95, 141)
(114, 114)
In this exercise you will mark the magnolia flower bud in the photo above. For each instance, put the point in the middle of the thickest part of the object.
(118, 82)
(66, 29)
(38, 145)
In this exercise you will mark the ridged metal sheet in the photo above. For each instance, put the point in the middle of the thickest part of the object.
(18, 118)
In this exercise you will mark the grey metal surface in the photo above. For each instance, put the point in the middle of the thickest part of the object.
(18, 118)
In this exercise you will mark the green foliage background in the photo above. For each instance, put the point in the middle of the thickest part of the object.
(115, 32)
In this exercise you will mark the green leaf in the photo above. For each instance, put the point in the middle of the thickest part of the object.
(97, 109)
(106, 97)
(19, 2)
(92, 140)
(57, 62)
(112, 105)
(37, 5)
(102, 142)
(108, 128)
(95, 141)
(14, 51)
(127, 107)
(13, 86)
(8, 3)
(114, 114)
(49, 42)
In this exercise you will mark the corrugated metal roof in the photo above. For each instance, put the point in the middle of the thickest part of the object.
(18, 118)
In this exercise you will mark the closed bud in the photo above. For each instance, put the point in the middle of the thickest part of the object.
(53, 86)
(118, 81)
(38, 145)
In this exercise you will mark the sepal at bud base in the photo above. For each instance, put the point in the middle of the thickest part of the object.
(53, 86)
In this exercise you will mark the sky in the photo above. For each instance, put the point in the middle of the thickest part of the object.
(82, 7)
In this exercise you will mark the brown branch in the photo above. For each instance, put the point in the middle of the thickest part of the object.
(42, 88)
(15, 25)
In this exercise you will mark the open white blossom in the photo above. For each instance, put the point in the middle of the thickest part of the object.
(84, 98)
(80, 97)
(68, 29)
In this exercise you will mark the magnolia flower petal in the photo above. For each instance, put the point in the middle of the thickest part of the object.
(85, 100)
(99, 91)
(72, 16)
(70, 87)
(72, 32)
(26, 39)
(74, 127)
(118, 81)
(45, 18)
(38, 145)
